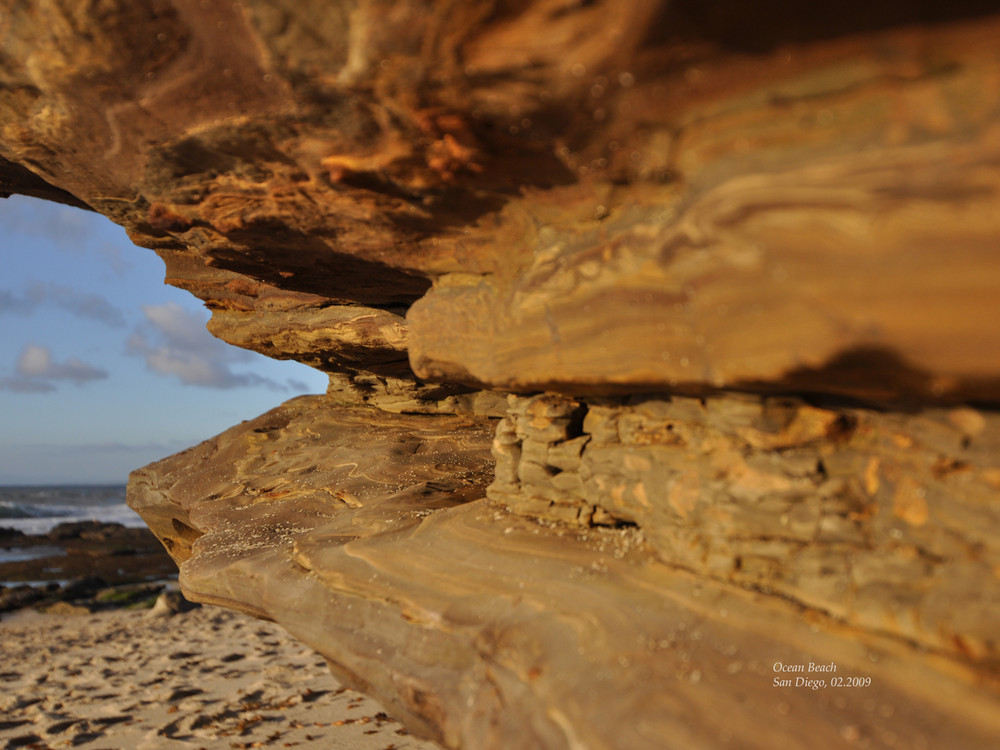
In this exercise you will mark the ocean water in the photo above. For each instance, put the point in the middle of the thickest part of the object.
(36, 510)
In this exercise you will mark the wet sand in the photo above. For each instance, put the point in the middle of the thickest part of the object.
(208, 678)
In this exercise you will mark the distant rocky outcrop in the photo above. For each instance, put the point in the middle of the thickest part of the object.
(96, 531)
(82, 566)
(664, 364)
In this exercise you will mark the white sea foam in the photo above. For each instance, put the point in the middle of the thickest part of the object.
(37, 510)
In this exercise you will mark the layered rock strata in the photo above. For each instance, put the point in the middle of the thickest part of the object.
(545, 181)
(734, 261)
(880, 521)
(483, 625)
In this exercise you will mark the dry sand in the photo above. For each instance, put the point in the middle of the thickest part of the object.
(209, 678)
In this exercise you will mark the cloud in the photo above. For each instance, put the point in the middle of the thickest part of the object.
(299, 386)
(36, 370)
(25, 385)
(36, 362)
(12, 303)
(174, 341)
(81, 304)
(115, 260)
(69, 228)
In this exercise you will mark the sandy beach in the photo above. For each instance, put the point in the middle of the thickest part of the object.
(207, 678)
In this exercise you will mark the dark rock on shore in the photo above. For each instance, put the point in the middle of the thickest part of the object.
(19, 596)
(80, 560)
(97, 531)
(77, 596)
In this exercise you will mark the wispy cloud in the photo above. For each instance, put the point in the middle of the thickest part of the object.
(174, 341)
(69, 228)
(36, 362)
(81, 304)
(11, 303)
(38, 372)
(112, 254)
(298, 386)
(25, 385)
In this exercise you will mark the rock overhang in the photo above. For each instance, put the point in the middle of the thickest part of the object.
(681, 218)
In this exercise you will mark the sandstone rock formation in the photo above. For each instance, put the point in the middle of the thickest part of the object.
(733, 262)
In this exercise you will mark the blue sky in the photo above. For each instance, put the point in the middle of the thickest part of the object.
(104, 368)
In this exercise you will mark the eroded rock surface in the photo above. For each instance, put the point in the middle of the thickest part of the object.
(734, 261)
(481, 627)
(881, 521)
(610, 196)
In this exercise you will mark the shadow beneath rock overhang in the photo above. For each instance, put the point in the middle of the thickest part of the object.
(287, 259)
(766, 25)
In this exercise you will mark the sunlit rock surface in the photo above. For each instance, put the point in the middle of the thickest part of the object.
(736, 264)
(360, 532)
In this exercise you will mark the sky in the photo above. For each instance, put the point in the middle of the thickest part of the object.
(103, 367)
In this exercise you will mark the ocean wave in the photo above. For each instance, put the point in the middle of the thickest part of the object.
(37, 510)
(10, 509)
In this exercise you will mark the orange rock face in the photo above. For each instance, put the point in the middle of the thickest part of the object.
(735, 261)
(637, 197)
